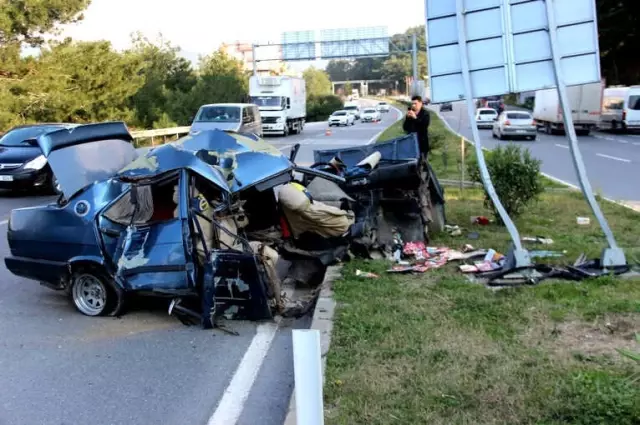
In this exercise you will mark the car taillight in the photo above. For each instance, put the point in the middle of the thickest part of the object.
(507, 123)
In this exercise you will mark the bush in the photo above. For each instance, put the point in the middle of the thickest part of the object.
(515, 176)
(319, 107)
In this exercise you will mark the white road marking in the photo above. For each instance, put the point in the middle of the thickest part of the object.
(3, 222)
(562, 146)
(615, 158)
(232, 402)
(623, 141)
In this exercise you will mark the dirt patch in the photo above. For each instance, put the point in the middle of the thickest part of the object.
(599, 338)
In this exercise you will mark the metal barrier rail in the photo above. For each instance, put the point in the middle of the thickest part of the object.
(160, 133)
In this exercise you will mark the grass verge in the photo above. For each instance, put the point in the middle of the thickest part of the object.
(435, 349)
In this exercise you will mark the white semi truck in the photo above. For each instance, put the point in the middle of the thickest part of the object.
(585, 102)
(282, 101)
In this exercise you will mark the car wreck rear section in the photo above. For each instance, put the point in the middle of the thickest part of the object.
(206, 222)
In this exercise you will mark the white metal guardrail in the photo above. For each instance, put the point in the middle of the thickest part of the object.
(159, 136)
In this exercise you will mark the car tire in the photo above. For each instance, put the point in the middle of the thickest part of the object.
(500, 136)
(285, 132)
(493, 134)
(92, 294)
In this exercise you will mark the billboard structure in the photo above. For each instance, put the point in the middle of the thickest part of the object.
(480, 48)
(298, 45)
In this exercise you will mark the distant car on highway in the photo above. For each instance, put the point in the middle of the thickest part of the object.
(446, 107)
(485, 117)
(352, 107)
(371, 115)
(383, 107)
(512, 124)
(240, 117)
(343, 117)
(22, 162)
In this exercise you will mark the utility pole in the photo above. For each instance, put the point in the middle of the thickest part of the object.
(254, 60)
(414, 51)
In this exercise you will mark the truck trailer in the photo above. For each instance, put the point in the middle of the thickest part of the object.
(585, 102)
(282, 101)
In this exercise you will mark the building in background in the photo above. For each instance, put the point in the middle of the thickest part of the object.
(243, 52)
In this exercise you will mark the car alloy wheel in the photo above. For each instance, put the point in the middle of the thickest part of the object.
(90, 294)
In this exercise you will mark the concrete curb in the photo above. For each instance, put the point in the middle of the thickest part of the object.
(323, 322)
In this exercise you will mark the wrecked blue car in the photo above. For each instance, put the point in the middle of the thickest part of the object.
(198, 221)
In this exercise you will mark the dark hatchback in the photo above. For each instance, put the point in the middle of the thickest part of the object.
(22, 164)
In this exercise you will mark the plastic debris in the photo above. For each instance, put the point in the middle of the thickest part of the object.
(360, 273)
(583, 221)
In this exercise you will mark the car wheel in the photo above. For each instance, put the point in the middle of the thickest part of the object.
(493, 134)
(285, 132)
(500, 136)
(91, 295)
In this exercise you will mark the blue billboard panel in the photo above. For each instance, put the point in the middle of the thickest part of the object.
(354, 42)
(298, 45)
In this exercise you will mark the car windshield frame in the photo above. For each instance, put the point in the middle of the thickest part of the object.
(370, 111)
(350, 108)
(523, 116)
(339, 114)
(224, 111)
(16, 137)
(487, 112)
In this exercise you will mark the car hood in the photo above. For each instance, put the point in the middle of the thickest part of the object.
(201, 126)
(85, 154)
(18, 154)
(232, 161)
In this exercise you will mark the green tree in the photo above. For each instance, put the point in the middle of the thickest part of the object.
(619, 38)
(348, 88)
(221, 78)
(25, 21)
(79, 82)
(164, 72)
(339, 70)
(317, 81)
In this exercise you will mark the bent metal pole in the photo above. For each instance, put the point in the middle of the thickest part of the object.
(613, 255)
(520, 255)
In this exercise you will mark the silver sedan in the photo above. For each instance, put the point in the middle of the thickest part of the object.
(512, 124)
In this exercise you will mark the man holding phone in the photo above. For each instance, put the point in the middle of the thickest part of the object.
(417, 121)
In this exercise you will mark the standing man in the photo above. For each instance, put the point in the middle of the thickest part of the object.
(417, 121)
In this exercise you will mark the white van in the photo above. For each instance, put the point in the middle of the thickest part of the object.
(240, 117)
(620, 108)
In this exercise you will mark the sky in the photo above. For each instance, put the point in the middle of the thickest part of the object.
(199, 26)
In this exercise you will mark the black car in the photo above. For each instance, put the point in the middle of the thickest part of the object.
(22, 164)
(446, 107)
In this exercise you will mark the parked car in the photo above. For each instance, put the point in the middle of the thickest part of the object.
(196, 221)
(22, 163)
(485, 117)
(512, 124)
(446, 107)
(241, 117)
(383, 107)
(371, 115)
(339, 118)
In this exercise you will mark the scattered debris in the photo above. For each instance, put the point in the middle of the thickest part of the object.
(360, 273)
(583, 221)
(481, 220)
(538, 239)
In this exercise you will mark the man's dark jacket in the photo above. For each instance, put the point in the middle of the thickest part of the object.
(419, 125)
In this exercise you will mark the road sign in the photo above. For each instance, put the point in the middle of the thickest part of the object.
(298, 45)
(354, 42)
(508, 46)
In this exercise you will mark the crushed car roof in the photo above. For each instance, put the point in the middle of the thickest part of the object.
(231, 160)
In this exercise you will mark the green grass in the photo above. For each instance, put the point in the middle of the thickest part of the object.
(436, 349)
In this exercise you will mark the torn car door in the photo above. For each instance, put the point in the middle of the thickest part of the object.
(152, 256)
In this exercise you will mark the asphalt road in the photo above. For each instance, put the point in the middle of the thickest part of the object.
(58, 367)
(612, 161)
